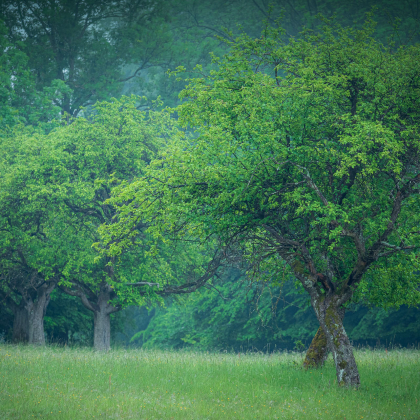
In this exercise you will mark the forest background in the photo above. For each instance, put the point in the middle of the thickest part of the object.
(66, 56)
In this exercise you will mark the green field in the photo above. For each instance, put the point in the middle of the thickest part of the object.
(63, 383)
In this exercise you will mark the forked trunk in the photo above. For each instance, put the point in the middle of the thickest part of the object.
(36, 313)
(102, 329)
(28, 323)
(338, 343)
(20, 324)
(99, 302)
(318, 351)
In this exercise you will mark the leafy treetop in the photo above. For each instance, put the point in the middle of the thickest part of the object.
(305, 151)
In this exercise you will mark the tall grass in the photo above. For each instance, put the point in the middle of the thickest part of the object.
(63, 383)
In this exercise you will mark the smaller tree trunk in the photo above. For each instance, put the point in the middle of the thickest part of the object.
(318, 351)
(20, 324)
(102, 311)
(99, 302)
(102, 330)
(28, 323)
(37, 309)
(36, 323)
(328, 315)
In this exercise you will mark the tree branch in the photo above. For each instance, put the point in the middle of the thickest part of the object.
(86, 303)
(143, 283)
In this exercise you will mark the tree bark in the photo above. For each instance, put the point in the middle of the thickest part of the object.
(20, 324)
(102, 328)
(28, 323)
(330, 317)
(99, 304)
(318, 351)
(36, 313)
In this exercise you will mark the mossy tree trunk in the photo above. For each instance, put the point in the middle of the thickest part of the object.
(328, 312)
(318, 351)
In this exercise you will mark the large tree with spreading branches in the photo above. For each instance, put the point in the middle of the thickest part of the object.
(306, 157)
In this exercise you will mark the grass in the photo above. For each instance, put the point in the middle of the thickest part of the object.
(63, 383)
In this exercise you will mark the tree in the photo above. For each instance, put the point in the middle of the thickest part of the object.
(49, 206)
(115, 142)
(114, 145)
(54, 197)
(196, 27)
(297, 14)
(294, 16)
(33, 234)
(85, 43)
(20, 101)
(31, 261)
(306, 156)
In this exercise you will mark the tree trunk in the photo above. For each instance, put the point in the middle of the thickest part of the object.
(318, 351)
(99, 302)
(329, 316)
(36, 323)
(28, 323)
(20, 324)
(102, 320)
(37, 309)
(102, 330)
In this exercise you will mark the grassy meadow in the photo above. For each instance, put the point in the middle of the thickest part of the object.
(65, 383)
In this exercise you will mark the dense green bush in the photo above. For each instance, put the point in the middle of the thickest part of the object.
(246, 317)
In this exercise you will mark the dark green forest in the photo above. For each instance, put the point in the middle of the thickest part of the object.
(216, 175)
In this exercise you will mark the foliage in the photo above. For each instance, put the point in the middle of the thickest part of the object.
(376, 326)
(51, 197)
(20, 101)
(85, 43)
(91, 155)
(239, 315)
(54, 192)
(35, 239)
(244, 317)
(310, 165)
(133, 319)
(390, 284)
(126, 47)
(67, 321)
(114, 144)
(198, 30)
